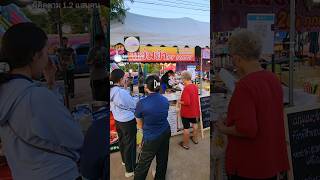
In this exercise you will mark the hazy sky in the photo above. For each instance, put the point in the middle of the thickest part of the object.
(195, 9)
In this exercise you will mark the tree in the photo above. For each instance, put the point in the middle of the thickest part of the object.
(40, 19)
(118, 10)
(78, 19)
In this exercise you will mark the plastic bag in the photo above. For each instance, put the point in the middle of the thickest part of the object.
(218, 144)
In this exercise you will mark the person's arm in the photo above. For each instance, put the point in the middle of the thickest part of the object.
(138, 114)
(139, 123)
(228, 130)
(73, 56)
(243, 114)
(50, 74)
(128, 101)
(91, 57)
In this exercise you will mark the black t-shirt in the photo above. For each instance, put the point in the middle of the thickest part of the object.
(67, 57)
(165, 79)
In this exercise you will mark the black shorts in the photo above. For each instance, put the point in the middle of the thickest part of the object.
(186, 122)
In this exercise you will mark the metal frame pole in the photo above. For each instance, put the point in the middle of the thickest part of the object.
(66, 87)
(292, 41)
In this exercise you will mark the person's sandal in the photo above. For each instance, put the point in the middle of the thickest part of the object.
(195, 142)
(183, 146)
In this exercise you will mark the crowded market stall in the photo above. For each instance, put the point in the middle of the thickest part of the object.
(160, 60)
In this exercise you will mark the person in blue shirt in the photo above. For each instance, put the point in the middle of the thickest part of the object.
(94, 161)
(151, 114)
(122, 106)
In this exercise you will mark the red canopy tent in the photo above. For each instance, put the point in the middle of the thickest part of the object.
(170, 67)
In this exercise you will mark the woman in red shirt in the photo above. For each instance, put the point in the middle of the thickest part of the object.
(190, 110)
(255, 124)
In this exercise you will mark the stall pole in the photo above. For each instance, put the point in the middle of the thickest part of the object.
(201, 74)
(273, 63)
(66, 87)
(292, 40)
(201, 121)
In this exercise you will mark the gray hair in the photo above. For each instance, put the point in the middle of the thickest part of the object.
(246, 44)
(186, 75)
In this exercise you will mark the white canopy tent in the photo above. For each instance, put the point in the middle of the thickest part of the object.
(161, 31)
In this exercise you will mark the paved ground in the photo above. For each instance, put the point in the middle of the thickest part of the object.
(192, 164)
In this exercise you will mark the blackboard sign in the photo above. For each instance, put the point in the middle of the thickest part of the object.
(205, 111)
(304, 134)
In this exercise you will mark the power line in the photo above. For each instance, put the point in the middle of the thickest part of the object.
(204, 14)
(203, 0)
(194, 2)
(189, 4)
(142, 2)
(151, 9)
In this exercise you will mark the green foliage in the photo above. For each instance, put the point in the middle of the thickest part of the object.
(40, 19)
(78, 19)
(118, 10)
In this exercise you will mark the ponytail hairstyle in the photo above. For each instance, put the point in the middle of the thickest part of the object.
(19, 45)
(153, 83)
(116, 76)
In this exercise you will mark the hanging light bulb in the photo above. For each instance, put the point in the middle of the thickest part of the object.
(117, 58)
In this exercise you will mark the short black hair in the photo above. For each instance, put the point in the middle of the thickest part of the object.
(153, 83)
(99, 37)
(64, 38)
(31, 38)
(116, 75)
(170, 72)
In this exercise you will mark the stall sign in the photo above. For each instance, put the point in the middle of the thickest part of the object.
(261, 25)
(205, 53)
(132, 44)
(162, 54)
(230, 14)
(303, 135)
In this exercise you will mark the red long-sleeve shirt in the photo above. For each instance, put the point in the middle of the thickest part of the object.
(191, 106)
(256, 110)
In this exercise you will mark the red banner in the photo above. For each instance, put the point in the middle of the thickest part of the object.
(162, 54)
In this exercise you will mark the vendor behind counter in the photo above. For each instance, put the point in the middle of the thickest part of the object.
(166, 80)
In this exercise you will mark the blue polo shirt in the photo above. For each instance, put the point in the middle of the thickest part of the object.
(153, 110)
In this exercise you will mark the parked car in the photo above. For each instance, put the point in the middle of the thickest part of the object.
(81, 51)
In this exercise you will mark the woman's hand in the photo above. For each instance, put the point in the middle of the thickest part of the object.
(220, 126)
(50, 73)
